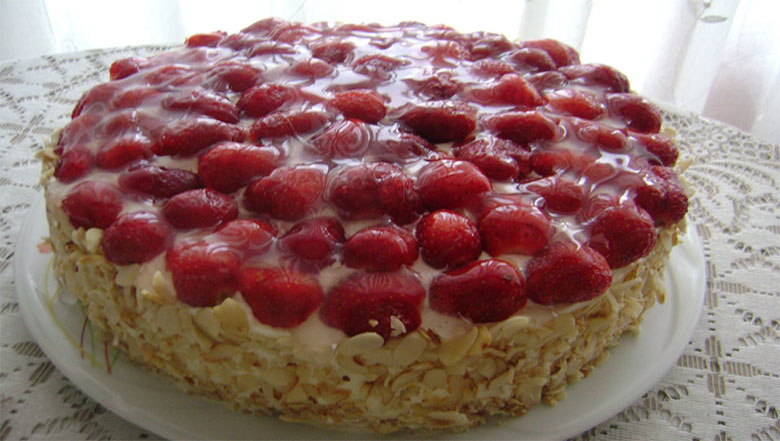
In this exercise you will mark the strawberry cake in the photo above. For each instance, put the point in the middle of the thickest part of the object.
(364, 226)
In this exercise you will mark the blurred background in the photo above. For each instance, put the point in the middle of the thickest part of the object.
(717, 58)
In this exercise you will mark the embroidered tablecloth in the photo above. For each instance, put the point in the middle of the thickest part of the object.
(725, 386)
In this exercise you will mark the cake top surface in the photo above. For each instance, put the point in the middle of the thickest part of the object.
(369, 175)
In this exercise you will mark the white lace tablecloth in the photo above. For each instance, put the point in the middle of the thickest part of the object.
(726, 385)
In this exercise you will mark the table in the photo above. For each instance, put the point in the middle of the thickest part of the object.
(726, 385)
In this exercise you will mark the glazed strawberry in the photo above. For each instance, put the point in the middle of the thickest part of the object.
(597, 74)
(283, 124)
(547, 80)
(127, 66)
(260, 48)
(447, 239)
(74, 163)
(441, 121)
(522, 127)
(168, 75)
(450, 184)
(609, 138)
(132, 97)
(314, 240)
(398, 198)
(264, 99)
(288, 193)
(622, 234)
(377, 66)
(663, 196)
(578, 103)
(312, 68)
(187, 137)
(440, 86)
(158, 182)
(199, 208)
(365, 191)
(639, 114)
(334, 51)
(509, 89)
(362, 104)
(263, 27)
(566, 272)
(442, 51)
(204, 103)
(499, 159)
(382, 248)
(392, 145)
(244, 162)
(561, 195)
(124, 150)
(551, 162)
(561, 54)
(234, 75)
(492, 68)
(280, 297)
(208, 40)
(514, 228)
(92, 204)
(132, 123)
(385, 303)
(662, 149)
(489, 45)
(484, 291)
(343, 139)
(102, 93)
(203, 273)
(532, 60)
(251, 237)
(135, 237)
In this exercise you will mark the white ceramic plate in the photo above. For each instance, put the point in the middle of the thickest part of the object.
(150, 401)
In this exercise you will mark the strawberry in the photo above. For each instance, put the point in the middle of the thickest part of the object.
(489, 45)
(600, 74)
(333, 51)
(135, 237)
(499, 159)
(441, 121)
(398, 198)
(203, 102)
(204, 273)
(546, 80)
(513, 227)
(199, 208)
(661, 149)
(577, 102)
(561, 54)
(441, 51)
(122, 151)
(382, 248)
(509, 89)
(447, 239)
(74, 163)
(522, 127)
(440, 86)
(92, 204)
(343, 139)
(280, 297)
(390, 144)
(169, 75)
(560, 194)
(288, 193)
(205, 40)
(483, 291)
(639, 114)
(492, 68)
(273, 48)
(362, 104)
(566, 272)
(609, 138)
(250, 236)
(127, 66)
(662, 195)
(264, 99)
(377, 66)
(366, 191)
(158, 182)
(622, 234)
(551, 162)
(132, 97)
(186, 137)
(450, 184)
(263, 27)
(284, 124)
(312, 68)
(102, 94)
(245, 162)
(233, 75)
(314, 240)
(385, 303)
(532, 60)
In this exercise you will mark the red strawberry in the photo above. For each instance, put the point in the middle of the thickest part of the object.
(264, 99)
(130, 122)
(577, 102)
(589, 74)
(509, 89)
(547, 162)
(92, 204)
(514, 228)
(441, 51)
(560, 194)
(383, 248)
(343, 139)
(609, 138)
(312, 68)
(170, 74)
(251, 236)
(639, 114)
(441, 121)
(132, 97)
(398, 198)
(366, 191)
(483, 291)
(440, 86)
(124, 150)
(450, 184)
(492, 68)
(448, 239)
(333, 51)
(489, 45)
(269, 48)
(663, 196)
(74, 163)
(377, 66)
(280, 297)
(208, 40)
(362, 104)
(102, 93)
(127, 66)
(368, 302)
(203, 273)
(244, 162)
(547, 80)
(283, 124)
(288, 193)
(263, 27)
(233, 75)
(662, 149)
(186, 137)
(199, 208)
(623, 234)
(499, 159)
(532, 60)
(562, 54)
(159, 182)
(392, 145)
(523, 127)
(135, 238)
(566, 272)
(204, 103)
(314, 239)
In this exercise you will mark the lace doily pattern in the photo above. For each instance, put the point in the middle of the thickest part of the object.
(725, 386)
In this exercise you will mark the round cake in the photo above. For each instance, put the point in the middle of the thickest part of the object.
(368, 227)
